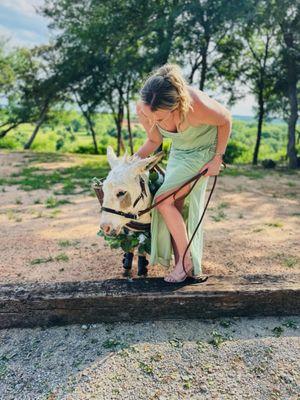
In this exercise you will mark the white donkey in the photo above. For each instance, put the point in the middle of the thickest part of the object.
(126, 191)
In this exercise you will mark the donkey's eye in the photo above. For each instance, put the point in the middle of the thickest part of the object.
(121, 193)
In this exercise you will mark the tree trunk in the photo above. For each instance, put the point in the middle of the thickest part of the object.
(129, 126)
(292, 95)
(89, 121)
(119, 122)
(203, 70)
(90, 124)
(37, 127)
(194, 67)
(259, 126)
(4, 133)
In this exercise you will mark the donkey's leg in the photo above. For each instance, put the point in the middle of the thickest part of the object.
(127, 263)
(142, 264)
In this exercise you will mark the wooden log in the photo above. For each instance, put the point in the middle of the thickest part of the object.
(141, 299)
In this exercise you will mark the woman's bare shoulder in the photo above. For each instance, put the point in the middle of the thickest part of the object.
(206, 109)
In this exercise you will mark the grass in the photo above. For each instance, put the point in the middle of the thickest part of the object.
(219, 217)
(226, 323)
(60, 257)
(147, 368)
(72, 178)
(249, 171)
(220, 213)
(278, 331)
(201, 345)
(224, 204)
(290, 324)
(175, 342)
(112, 343)
(275, 224)
(290, 262)
(218, 339)
(54, 213)
(257, 230)
(68, 243)
(52, 202)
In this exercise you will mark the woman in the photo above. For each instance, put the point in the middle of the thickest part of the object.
(199, 127)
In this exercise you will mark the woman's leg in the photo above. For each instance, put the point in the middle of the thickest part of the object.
(176, 226)
(179, 203)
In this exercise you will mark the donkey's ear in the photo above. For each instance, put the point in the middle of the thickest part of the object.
(148, 162)
(126, 158)
(111, 157)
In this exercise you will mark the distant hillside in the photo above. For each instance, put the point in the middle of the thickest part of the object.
(248, 118)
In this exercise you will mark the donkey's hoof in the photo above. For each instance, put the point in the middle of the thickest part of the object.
(127, 273)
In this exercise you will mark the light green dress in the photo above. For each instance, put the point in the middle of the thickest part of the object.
(190, 150)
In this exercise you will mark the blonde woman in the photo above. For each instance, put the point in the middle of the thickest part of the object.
(199, 127)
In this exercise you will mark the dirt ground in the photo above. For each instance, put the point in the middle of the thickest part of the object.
(251, 226)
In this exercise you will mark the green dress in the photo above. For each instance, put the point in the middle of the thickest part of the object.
(190, 150)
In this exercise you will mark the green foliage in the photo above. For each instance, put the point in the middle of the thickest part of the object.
(59, 144)
(268, 163)
(56, 136)
(60, 257)
(234, 150)
(52, 202)
(128, 242)
(72, 178)
(218, 339)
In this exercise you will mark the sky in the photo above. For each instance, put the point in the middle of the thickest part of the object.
(20, 22)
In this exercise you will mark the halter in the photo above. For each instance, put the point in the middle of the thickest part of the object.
(130, 215)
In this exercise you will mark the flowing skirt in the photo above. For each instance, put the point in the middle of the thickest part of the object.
(178, 171)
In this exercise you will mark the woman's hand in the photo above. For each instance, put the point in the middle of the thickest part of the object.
(213, 167)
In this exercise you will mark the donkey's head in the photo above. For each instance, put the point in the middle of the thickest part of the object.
(123, 189)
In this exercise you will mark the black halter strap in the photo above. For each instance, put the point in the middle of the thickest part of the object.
(127, 214)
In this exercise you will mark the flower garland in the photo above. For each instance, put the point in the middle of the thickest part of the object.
(128, 241)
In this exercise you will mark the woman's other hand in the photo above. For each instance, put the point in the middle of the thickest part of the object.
(213, 166)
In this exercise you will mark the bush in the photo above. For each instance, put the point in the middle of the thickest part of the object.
(76, 125)
(233, 151)
(59, 144)
(89, 149)
(82, 149)
(8, 143)
(268, 163)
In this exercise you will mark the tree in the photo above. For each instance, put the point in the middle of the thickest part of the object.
(288, 17)
(260, 51)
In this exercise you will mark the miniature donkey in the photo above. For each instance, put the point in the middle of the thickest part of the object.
(126, 190)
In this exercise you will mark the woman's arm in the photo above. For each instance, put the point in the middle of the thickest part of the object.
(154, 139)
(209, 111)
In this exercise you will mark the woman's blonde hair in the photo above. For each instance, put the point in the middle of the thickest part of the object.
(166, 88)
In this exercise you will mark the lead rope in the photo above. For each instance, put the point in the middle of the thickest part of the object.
(196, 178)
(190, 241)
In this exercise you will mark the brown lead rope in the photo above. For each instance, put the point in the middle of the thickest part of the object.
(196, 178)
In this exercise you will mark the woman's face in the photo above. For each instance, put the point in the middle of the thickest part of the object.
(155, 116)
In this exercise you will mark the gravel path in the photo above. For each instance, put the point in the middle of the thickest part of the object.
(236, 358)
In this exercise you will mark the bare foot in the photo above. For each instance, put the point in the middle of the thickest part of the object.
(178, 274)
